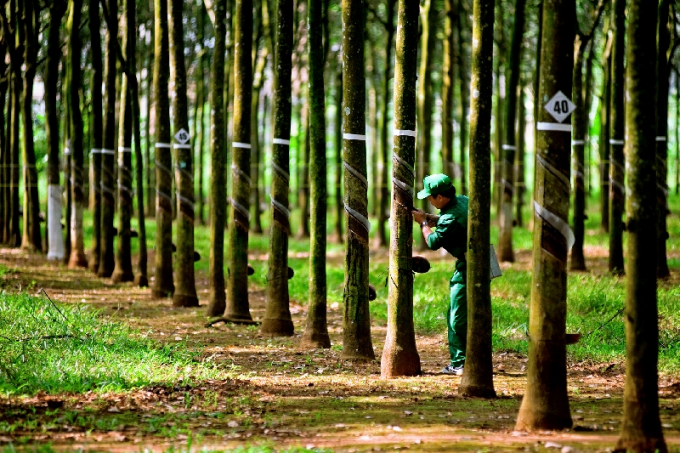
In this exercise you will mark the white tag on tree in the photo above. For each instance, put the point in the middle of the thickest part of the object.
(182, 136)
(560, 106)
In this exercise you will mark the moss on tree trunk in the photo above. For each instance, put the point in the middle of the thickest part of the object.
(641, 427)
(545, 404)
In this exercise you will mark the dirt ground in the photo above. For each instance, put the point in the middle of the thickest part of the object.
(283, 396)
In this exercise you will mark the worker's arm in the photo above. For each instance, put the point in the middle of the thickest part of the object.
(420, 217)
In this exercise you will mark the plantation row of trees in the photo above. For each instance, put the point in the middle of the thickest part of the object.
(262, 69)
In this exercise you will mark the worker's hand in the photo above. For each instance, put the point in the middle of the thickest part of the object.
(418, 215)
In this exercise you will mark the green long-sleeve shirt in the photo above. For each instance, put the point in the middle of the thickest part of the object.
(451, 230)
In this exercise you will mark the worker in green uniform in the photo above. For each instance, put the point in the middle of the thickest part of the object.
(451, 234)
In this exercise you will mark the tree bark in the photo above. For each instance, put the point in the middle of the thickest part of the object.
(478, 376)
(357, 343)
(641, 427)
(448, 84)
(509, 147)
(338, 154)
(97, 134)
(605, 125)
(199, 120)
(77, 258)
(237, 297)
(580, 125)
(31, 237)
(316, 330)
(106, 255)
(546, 404)
(123, 268)
(303, 166)
(617, 140)
(163, 284)
(400, 354)
(150, 152)
(257, 150)
(54, 210)
(424, 115)
(464, 92)
(520, 181)
(663, 72)
(218, 165)
(185, 283)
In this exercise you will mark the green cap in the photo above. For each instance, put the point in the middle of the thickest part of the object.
(434, 185)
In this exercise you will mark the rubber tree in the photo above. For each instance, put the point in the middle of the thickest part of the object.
(509, 148)
(545, 404)
(448, 85)
(54, 234)
(316, 329)
(478, 376)
(185, 283)
(604, 146)
(663, 85)
(425, 97)
(520, 156)
(123, 269)
(338, 150)
(96, 133)
(163, 284)
(616, 139)
(464, 94)
(580, 130)
(199, 109)
(238, 309)
(641, 426)
(73, 80)
(357, 343)
(106, 255)
(400, 355)
(218, 164)
(29, 29)
(277, 319)
(4, 158)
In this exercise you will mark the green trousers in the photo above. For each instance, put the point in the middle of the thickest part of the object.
(456, 318)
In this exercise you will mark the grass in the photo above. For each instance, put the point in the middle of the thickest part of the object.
(67, 348)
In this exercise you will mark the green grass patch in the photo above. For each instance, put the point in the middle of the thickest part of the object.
(67, 348)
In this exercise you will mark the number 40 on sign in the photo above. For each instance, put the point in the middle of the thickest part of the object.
(560, 106)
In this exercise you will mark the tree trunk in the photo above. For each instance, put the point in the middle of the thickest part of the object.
(605, 124)
(617, 140)
(662, 70)
(498, 140)
(77, 258)
(150, 153)
(185, 286)
(464, 90)
(4, 150)
(339, 219)
(54, 234)
(123, 269)
(256, 145)
(97, 133)
(509, 147)
(520, 181)
(316, 330)
(199, 120)
(106, 254)
(588, 98)
(31, 238)
(448, 84)
(546, 404)
(400, 355)
(478, 376)
(303, 176)
(677, 133)
(384, 139)
(163, 284)
(580, 124)
(424, 115)
(218, 165)
(357, 343)
(641, 427)
(238, 309)
(14, 230)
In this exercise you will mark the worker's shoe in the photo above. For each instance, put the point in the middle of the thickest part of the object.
(455, 370)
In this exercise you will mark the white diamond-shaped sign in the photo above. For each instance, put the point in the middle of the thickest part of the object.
(182, 136)
(560, 106)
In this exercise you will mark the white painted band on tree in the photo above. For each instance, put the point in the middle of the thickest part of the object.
(181, 146)
(360, 137)
(241, 145)
(508, 185)
(660, 139)
(162, 167)
(558, 127)
(577, 142)
(618, 165)
(162, 145)
(56, 240)
(241, 174)
(662, 188)
(509, 148)
(355, 173)
(559, 224)
(95, 151)
(280, 206)
(240, 208)
(552, 169)
(404, 164)
(613, 141)
(281, 141)
(185, 200)
(185, 172)
(404, 133)
(283, 173)
(617, 184)
(104, 151)
(124, 149)
(403, 186)
(163, 195)
(359, 217)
